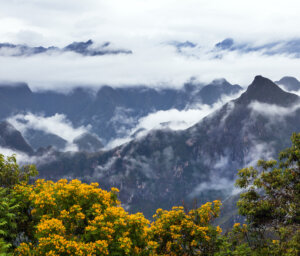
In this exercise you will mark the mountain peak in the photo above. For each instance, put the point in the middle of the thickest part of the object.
(290, 83)
(264, 90)
(220, 81)
(225, 44)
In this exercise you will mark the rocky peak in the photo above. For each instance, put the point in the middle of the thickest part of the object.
(264, 90)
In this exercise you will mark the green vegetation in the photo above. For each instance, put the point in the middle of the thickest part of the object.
(74, 218)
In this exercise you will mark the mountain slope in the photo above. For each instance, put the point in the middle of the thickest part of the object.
(166, 167)
(213, 92)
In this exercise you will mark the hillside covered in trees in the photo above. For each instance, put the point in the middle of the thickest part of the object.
(39, 217)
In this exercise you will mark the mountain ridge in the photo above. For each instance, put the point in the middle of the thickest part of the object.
(165, 167)
(108, 110)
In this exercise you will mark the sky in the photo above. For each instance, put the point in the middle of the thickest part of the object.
(147, 28)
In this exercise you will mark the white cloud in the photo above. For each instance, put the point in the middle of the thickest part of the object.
(23, 158)
(173, 119)
(272, 110)
(180, 119)
(144, 26)
(57, 124)
(259, 151)
(218, 183)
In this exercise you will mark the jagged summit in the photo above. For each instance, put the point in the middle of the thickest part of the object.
(290, 83)
(212, 92)
(264, 90)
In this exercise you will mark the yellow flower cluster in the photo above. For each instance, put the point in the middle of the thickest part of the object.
(50, 226)
(80, 219)
(175, 231)
(58, 245)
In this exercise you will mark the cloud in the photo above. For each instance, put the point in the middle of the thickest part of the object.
(24, 159)
(144, 27)
(173, 119)
(218, 183)
(57, 124)
(271, 110)
(180, 119)
(259, 151)
(289, 47)
(88, 48)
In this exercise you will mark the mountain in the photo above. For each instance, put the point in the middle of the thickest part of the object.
(281, 47)
(212, 92)
(88, 142)
(87, 48)
(8, 49)
(165, 167)
(14, 97)
(13, 139)
(289, 83)
(110, 112)
(38, 139)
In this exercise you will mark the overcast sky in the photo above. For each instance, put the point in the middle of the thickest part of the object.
(146, 27)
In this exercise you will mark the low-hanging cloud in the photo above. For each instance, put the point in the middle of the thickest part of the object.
(24, 159)
(218, 183)
(173, 119)
(272, 110)
(57, 124)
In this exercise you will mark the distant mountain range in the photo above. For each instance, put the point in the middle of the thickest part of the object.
(90, 48)
(109, 112)
(87, 48)
(165, 167)
(290, 47)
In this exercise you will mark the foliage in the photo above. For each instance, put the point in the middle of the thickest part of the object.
(10, 211)
(11, 173)
(8, 225)
(73, 218)
(271, 202)
(233, 243)
(178, 233)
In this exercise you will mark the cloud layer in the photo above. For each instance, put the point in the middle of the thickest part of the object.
(146, 27)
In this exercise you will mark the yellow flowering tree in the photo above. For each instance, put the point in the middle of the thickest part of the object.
(178, 233)
(73, 218)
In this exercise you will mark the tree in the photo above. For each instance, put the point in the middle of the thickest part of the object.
(178, 233)
(271, 202)
(73, 218)
(12, 174)
(10, 210)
